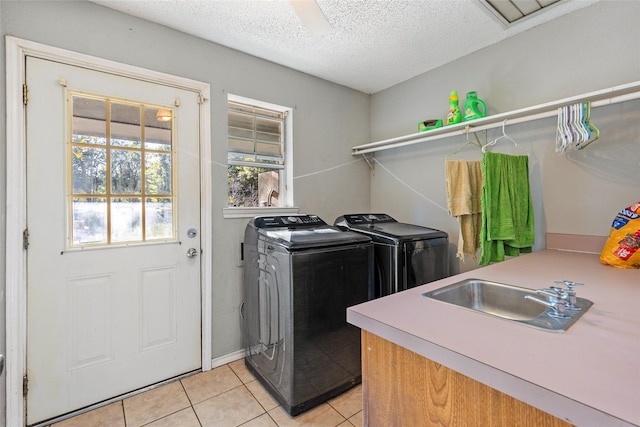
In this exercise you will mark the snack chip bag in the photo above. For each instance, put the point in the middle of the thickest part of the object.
(622, 249)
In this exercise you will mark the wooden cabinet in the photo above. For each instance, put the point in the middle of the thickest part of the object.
(402, 388)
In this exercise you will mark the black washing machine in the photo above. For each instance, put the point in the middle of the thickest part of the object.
(406, 255)
(300, 275)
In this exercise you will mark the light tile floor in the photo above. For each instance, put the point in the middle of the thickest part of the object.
(225, 396)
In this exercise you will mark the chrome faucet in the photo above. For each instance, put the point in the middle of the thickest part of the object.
(556, 305)
(560, 299)
(568, 294)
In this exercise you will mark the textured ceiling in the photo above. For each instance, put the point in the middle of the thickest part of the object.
(372, 44)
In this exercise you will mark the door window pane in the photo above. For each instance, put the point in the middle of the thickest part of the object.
(126, 220)
(89, 220)
(89, 121)
(126, 172)
(157, 131)
(125, 125)
(159, 215)
(158, 173)
(89, 173)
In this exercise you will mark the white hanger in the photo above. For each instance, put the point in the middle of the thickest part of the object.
(575, 131)
(469, 142)
(565, 136)
(582, 126)
(559, 136)
(504, 135)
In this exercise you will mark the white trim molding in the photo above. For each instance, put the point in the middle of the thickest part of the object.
(16, 269)
(228, 358)
(16, 265)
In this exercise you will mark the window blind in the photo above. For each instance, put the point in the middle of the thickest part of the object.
(255, 136)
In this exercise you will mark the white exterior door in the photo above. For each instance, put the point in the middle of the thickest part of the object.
(113, 216)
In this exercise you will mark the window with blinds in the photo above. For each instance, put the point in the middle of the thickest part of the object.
(256, 155)
(256, 136)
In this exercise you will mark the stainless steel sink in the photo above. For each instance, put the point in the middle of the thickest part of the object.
(508, 302)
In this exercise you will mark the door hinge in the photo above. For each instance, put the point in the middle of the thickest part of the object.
(25, 386)
(25, 239)
(25, 90)
(201, 99)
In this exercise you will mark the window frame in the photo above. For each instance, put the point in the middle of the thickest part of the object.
(286, 170)
(109, 195)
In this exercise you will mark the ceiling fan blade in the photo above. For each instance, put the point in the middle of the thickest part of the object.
(311, 16)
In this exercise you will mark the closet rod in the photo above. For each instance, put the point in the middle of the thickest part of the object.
(600, 98)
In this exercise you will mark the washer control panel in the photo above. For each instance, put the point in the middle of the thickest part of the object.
(362, 219)
(288, 221)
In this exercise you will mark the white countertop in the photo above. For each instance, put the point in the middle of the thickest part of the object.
(588, 375)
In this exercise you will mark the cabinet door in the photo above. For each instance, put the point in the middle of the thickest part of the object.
(402, 388)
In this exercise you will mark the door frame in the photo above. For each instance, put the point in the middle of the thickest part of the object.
(17, 50)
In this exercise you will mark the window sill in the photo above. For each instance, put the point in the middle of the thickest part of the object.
(229, 213)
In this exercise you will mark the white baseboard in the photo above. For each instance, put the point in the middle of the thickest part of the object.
(227, 358)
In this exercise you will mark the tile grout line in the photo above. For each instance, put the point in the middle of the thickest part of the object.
(167, 415)
(190, 403)
(254, 396)
(124, 414)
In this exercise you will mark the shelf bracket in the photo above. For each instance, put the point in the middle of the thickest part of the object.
(480, 144)
(468, 129)
(372, 166)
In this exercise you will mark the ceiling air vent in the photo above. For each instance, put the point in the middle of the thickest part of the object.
(510, 11)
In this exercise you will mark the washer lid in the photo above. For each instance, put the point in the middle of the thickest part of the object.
(301, 231)
(293, 238)
(382, 227)
(404, 231)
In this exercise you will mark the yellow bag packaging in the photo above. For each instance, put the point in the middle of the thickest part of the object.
(622, 249)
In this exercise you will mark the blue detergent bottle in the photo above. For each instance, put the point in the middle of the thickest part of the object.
(474, 108)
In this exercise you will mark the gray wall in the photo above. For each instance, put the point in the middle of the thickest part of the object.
(328, 120)
(578, 193)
